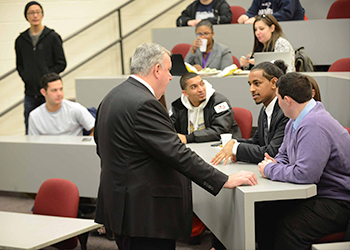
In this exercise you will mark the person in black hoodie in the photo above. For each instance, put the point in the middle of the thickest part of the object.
(38, 51)
(216, 11)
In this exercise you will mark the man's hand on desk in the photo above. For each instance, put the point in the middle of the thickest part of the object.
(224, 153)
(268, 159)
(182, 138)
(241, 178)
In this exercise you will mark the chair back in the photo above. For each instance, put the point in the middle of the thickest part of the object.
(237, 11)
(339, 9)
(181, 48)
(340, 65)
(58, 197)
(236, 61)
(244, 119)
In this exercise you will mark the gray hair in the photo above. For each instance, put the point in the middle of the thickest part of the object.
(146, 56)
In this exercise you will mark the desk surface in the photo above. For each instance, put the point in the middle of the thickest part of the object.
(332, 246)
(27, 161)
(31, 231)
(230, 215)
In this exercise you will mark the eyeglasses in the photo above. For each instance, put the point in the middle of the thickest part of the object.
(204, 34)
(32, 13)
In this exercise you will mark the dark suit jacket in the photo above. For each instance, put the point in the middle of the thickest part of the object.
(145, 187)
(253, 149)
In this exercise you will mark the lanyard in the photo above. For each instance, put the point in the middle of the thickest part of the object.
(205, 60)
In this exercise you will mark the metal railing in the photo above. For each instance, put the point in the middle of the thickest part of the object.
(120, 41)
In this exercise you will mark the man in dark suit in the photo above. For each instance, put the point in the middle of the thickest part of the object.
(145, 194)
(271, 122)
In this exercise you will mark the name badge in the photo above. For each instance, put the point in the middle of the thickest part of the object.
(221, 107)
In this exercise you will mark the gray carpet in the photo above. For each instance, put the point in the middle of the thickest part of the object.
(22, 203)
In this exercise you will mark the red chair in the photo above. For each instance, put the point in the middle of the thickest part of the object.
(244, 119)
(339, 9)
(340, 65)
(181, 48)
(348, 129)
(59, 197)
(237, 11)
(236, 61)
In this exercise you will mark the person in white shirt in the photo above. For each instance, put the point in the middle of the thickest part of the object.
(58, 116)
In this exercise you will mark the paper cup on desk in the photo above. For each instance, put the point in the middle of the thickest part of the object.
(225, 138)
(203, 47)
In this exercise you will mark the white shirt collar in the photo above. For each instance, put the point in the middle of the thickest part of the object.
(269, 111)
(144, 83)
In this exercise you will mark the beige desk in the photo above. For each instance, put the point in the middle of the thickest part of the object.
(334, 87)
(332, 246)
(230, 215)
(30, 231)
(27, 161)
(325, 40)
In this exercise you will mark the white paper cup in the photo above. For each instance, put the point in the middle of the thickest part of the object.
(203, 47)
(225, 138)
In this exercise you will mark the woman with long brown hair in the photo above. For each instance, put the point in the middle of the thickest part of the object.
(268, 37)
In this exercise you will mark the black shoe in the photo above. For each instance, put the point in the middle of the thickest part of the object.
(109, 234)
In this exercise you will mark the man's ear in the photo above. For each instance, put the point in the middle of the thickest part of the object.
(43, 92)
(273, 81)
(288, 99)
(156, 69)
(185, 93)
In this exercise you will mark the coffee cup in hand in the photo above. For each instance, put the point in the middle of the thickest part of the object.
(203, 47)
(225, 138)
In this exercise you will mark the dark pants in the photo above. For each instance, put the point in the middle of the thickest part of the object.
(30, 103)
(295, 225)
(140, 243)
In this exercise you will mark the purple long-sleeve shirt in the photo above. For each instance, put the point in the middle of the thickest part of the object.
(317, 152)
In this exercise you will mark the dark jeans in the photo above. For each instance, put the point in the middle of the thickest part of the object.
(295, 225)
(30, 103)
(140, 243)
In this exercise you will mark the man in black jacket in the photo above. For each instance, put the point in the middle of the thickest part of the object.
(38, 51)
(145, 194)
(201, 114)
(271, 122)
(216, 11)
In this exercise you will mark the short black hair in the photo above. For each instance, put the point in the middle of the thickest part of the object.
(271, 70)
(185, 77)
(296, 86)
(50, 77)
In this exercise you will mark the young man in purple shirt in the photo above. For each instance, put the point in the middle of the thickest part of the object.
(316, 149)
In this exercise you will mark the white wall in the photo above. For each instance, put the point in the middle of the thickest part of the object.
(66, 17)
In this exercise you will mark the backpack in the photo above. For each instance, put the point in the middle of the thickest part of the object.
(303, 63)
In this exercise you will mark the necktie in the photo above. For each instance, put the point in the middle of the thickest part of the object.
(266, 130)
